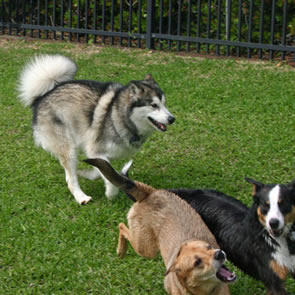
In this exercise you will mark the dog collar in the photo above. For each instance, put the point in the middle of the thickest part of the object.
(136, 140)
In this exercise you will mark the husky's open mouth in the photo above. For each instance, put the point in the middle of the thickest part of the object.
(158, 125)
(225, 275)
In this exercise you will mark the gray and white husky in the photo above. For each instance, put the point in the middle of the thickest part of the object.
(106, 120)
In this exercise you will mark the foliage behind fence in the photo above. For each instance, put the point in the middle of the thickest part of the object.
(161, 24)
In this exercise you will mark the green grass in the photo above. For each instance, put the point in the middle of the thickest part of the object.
(234, 118)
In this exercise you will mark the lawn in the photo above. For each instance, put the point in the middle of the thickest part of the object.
(234, 118)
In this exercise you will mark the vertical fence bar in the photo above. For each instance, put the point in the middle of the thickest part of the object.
(284, 27)
(17, 18)
(139, 22)
(54, 19)
(130, 22)
(240, 13)
(121, 21)
(112, 20)
(38, 17)
(9, 16)
(70, 18)
(78, 18)
(272, 26)
(2, 18)
(199, 25)
(24, 16)
(161, 23)
(261, 27)
(250, 26)
(179, 23)
(86, 19)
(31, 16)
(62, 18)
(103, 19)
(218, 26)
(188, 24)
(208, 25)
(150, 24)
(46, 18)
(228, 24)
(169, 23)
(94, 20)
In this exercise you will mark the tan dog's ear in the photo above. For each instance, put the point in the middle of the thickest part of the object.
(171, 266)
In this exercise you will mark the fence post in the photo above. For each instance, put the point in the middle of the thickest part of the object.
(150, 23)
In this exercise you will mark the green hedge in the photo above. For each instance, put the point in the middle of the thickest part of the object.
(31, 12)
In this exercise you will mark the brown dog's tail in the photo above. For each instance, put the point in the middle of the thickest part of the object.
(139, 191)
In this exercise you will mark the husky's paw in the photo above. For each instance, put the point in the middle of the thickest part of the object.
(111, 191)
(83, 200)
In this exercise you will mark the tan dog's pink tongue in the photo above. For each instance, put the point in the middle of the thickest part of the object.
(225, 275)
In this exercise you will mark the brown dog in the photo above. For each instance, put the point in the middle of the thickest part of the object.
(159, 220)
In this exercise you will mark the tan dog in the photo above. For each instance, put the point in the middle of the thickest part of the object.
(160, 220)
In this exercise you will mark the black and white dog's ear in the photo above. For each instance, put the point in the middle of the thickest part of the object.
(256, 185)
(291, 185)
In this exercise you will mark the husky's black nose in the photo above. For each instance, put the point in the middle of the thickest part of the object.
(171, 119)
(219, 255)
(274, 223)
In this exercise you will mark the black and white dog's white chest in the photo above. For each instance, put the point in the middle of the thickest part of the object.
(284, 253)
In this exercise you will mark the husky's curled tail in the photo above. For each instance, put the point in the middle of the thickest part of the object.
(42, 74)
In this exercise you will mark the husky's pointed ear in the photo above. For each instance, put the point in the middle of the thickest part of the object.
(149, 78)
(256, 185)
(135, 90)
(108, 171)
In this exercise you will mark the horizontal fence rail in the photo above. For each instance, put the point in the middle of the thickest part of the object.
(263, 29)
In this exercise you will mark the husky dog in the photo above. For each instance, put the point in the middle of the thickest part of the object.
(103, 119)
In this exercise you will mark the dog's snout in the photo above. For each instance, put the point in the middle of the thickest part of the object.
(171, 119)
(274, 223)
(219, 255)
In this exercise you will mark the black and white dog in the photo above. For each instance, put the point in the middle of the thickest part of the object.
(259, 240)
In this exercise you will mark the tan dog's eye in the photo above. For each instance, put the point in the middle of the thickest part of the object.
(198, 262)
(209, 247)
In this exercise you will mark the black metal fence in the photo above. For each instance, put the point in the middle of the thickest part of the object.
(263, 29)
